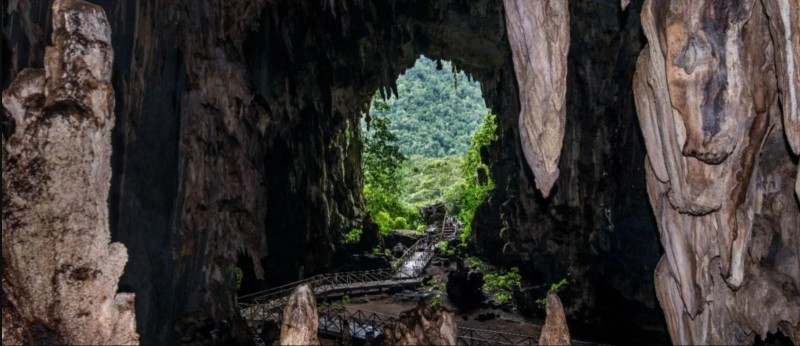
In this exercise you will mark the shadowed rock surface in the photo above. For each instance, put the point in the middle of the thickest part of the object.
(230, 144)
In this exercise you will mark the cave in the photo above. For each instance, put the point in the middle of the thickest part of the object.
(635, 141)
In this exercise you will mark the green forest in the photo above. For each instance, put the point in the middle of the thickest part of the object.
(424, 147)
(436, 110)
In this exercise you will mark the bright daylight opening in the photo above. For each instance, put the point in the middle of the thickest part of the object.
(422, 149)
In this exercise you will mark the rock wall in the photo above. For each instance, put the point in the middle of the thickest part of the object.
(236, 139)
(187, 141)
(596, 226)
(60, 269)
(716, 99)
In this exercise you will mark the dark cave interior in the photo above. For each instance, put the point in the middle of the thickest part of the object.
(231, 119)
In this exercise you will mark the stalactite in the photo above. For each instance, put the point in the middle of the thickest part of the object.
(706, 92)
(538, 32)
(60, 270)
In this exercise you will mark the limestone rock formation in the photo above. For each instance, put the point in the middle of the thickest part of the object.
(423, 325)
(555, 330)
(60, 268)
(231, 143)
(597, 223)
(538, 33)
(719, 172)
(300, 318)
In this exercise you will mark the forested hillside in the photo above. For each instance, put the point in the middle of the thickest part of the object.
(435, 113)
(423, 147)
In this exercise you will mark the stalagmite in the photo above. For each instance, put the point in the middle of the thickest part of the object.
(555, 330)
(60, 269)
(300, 318)
(423, 325)
(538, 32)
(719, 174)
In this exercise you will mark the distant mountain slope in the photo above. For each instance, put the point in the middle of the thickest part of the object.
(434, 116)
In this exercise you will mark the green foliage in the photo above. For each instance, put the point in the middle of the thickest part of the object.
(384, 221)
(400, 223)
(352, 236)
(473, 192)
(436, 112)
(432, 120)
(556, 287)
(341, 302)
(382, 163)
(502, 285)
(475, 263)
(446, 249)
(432, 179)
(438, 288)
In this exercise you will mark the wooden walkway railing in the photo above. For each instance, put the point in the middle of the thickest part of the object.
(368, 325)
(268, 304)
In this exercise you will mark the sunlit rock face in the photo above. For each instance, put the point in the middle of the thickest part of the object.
(60, 268)
(300, 321)
(715, 95)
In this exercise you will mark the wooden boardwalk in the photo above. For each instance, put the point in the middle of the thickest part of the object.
(268, 305)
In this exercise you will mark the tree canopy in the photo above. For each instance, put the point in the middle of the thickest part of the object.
(424, 147)
(436, 110)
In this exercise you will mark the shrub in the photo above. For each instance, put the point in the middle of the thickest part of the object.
(500, 286)
(555, 287)
(400, 223)
(384, 221)
(352, 236)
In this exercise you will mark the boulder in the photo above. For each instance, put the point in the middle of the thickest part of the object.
(433, 213)
(464, 288)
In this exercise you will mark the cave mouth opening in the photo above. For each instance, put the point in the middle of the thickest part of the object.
(315, 95)
(422, 148)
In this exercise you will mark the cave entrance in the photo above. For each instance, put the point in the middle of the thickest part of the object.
(316, 94)
(422, 148)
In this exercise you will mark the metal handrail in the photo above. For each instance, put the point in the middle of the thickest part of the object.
(358, 318)
(266, 304)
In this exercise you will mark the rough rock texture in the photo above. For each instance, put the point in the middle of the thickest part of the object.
(60, 269)
(236, 140)
(597, 224)
(187, 192)
(423, 325)
(719, 171)
(465, 288)
(555, 330)
(300, 319)
(538, 32)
